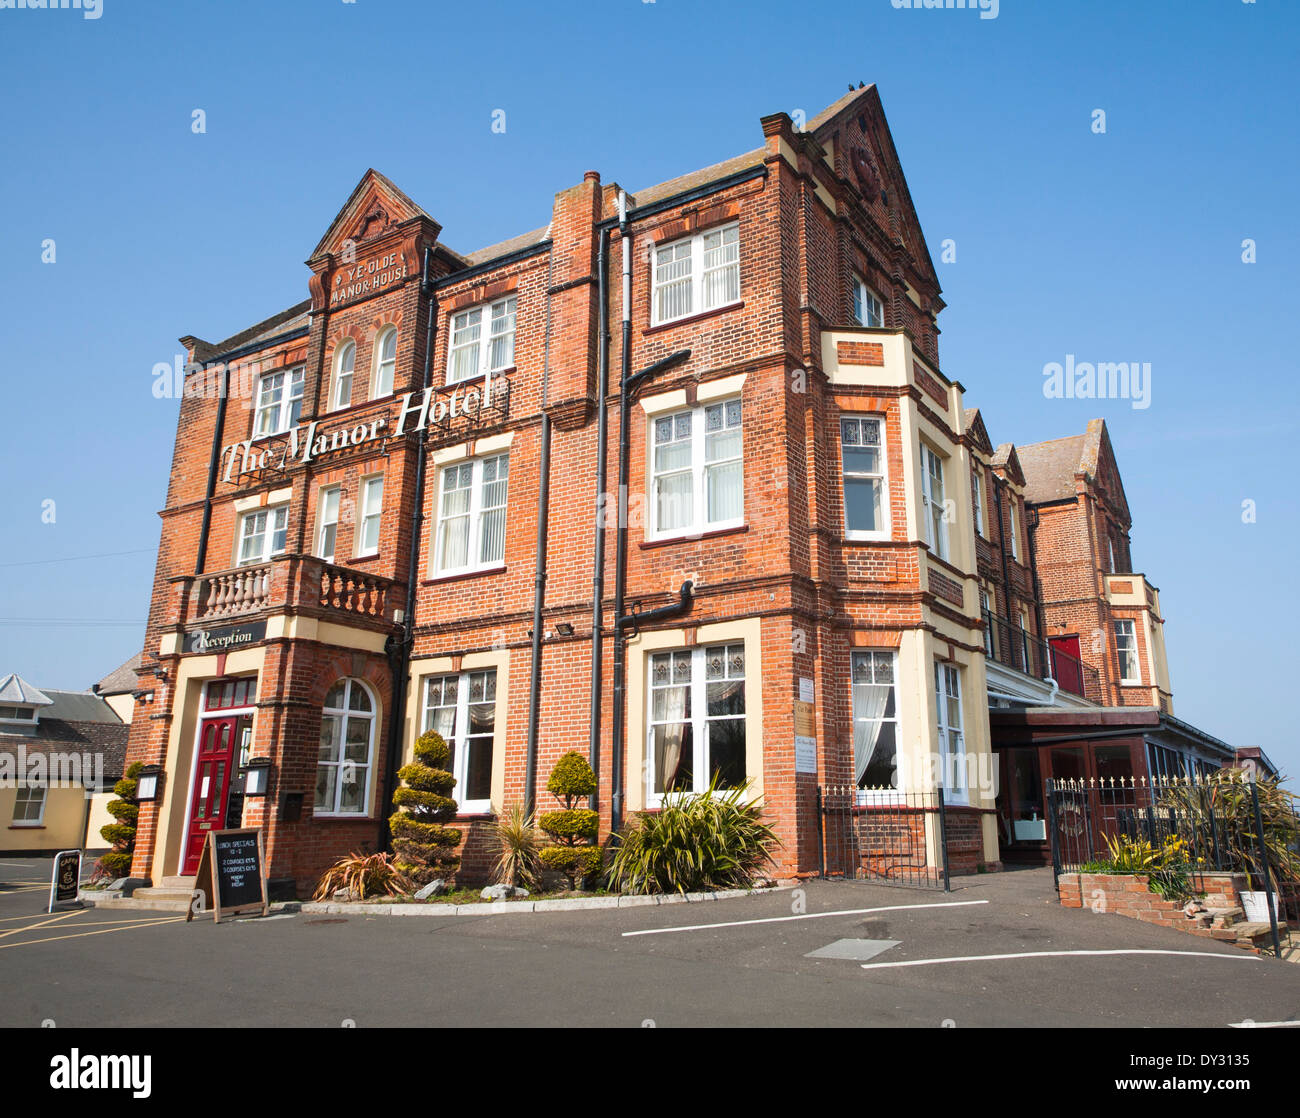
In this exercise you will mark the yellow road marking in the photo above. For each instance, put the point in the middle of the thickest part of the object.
(44, 923)
(100, 932)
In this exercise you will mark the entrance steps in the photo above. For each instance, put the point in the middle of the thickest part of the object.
(174, 894)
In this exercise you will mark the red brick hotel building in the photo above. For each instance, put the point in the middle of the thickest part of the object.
(396, 505)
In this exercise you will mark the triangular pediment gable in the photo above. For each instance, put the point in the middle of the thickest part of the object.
(1099, 463)
(374, 208)
(977, 432)
(866, 157)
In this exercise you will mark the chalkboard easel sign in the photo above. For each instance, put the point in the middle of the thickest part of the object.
(66, 879)
(231, 874)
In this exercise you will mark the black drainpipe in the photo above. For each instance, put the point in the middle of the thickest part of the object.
(1031, 528)
(398, 647)
(539, 563)
(602, 510)
(629, 384)
(998, 483)
(214, 465)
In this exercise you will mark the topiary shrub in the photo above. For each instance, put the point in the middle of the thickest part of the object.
(573, 829)
(120, 835)
(424, 847)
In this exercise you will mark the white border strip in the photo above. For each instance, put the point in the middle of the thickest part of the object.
(1243, 958)
(804, 916)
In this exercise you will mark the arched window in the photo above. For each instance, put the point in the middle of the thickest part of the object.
(385, 362)
(347, 742)
(344, 362)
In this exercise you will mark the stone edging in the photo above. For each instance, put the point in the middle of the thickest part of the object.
(499, 908)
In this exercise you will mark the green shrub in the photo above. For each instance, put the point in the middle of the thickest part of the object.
(573, 829)
(713, 840)
(121, 835)
(424, 847)
(518, 864)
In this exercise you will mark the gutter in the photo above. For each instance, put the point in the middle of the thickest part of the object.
(598, 558)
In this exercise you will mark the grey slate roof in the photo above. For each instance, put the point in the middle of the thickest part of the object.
(14, 690)
(121, 680)
(1050, 468)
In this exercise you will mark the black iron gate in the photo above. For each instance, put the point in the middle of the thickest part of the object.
(883, 836)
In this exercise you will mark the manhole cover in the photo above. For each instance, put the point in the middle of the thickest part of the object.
(859, 950)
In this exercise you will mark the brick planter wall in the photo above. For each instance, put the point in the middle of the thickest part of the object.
(1130, 895)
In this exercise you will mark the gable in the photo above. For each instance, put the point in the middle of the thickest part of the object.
(865, 156)
(975, 430)
(375, 207)
(1104, 471)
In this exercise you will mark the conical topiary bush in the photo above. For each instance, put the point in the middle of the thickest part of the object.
(573, 830)
(424, 846)
(126, 810)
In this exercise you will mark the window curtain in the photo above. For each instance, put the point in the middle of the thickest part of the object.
(869, 703)
(671, 737)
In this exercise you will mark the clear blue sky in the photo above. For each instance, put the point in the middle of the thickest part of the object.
(1122, 246)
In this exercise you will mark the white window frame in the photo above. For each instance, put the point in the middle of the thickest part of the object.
(986, 607)
(323, 523)
(338, 399)
(929, 504)
(977, 495)
(877, 795)
(1126, 645)
(371, 487)
(1015, 534)
(700, 468)
(882, 476)
(475, 515)
(283, 413)
(384, 367)
(460, 728)
(24, 794)
(699, 720)
(865, 301)
(951, 739)
(345, 713)
(482, 345)
(277, 521)
(695, 276)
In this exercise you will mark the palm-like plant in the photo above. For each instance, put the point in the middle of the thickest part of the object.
(712, 840)
(518, 863)
(363, 875)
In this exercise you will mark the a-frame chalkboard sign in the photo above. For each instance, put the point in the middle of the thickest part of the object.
(232, 874)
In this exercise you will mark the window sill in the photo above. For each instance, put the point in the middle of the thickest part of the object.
(26, 826)
(363, 558)
(336, 817)
(458, 576)
(485, 816)
(712, 533)
(478, 378)
(868, 537)
(656, 327)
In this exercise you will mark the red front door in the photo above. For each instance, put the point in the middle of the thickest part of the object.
(216, 759)
(1066, 667)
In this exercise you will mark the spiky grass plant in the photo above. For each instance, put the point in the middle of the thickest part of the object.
(711, 840)
(363, 875)
(518, 864)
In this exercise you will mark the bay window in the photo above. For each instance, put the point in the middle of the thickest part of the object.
(875, 719)
(482, 340)
(696, 470)
(696, 723)
(471, 522)
(462, 708)
(862, 459)
(346, 753)
(697, 274)
(278, 402)
(936, 520)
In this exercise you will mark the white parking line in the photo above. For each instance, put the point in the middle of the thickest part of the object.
(802, 916)
(1045, 954)
(1248, 1024)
